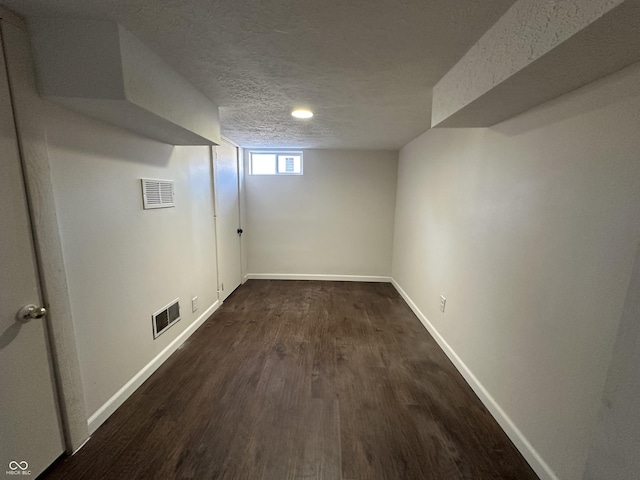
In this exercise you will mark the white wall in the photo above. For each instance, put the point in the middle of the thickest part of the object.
(530, 229)
(336, 219)
(125, 263)
(615, 450)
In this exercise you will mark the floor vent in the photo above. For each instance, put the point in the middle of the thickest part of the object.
(157, 193)
(166, 317)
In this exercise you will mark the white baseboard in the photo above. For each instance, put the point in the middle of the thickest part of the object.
(520, 441)
(316, 276)
(105, 411)
(83, 444)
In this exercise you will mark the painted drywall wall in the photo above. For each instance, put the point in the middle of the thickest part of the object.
(614, 449)
(336, 219)
(529, 229)
(125, 263)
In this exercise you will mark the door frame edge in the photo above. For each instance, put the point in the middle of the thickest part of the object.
(34, 154)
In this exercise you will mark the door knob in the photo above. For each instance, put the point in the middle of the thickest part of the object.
(29, 312)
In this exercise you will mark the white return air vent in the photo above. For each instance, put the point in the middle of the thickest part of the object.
(157, 193)
(166, 317)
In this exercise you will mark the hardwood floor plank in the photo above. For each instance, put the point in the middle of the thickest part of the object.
(321, 459)
(302, 380)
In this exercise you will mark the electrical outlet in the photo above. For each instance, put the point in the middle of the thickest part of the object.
(194, 304)
(222, 287)
(443, 302)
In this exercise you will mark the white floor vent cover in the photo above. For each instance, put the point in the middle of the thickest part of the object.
(157, 193)
(166, 317)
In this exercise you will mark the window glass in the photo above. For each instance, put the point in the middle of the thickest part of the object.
(263, 164)
(275, 163)
(289, 164)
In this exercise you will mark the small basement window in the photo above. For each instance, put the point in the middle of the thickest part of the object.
(275, 163)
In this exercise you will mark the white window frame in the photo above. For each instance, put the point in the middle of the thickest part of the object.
(277, 153)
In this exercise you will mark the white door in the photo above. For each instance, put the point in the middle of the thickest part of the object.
(227, 218)
(30, 430)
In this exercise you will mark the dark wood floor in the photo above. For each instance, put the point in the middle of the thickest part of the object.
(303, 380)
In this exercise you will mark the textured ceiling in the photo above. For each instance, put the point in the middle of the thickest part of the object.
(366, 68)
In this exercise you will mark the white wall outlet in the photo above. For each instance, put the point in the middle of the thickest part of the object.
(194, 304)
(443, 302)
(222, 287)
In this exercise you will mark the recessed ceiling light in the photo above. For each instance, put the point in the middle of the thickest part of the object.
(302, 113)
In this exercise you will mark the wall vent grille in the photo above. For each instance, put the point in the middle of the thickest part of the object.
(165, 317)
(157, 193)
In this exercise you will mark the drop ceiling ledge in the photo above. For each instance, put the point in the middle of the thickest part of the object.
(570, 46)
(99, 69)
